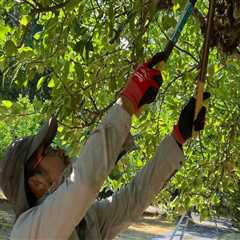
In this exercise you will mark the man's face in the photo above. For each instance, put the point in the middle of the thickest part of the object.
(53, 163)
(50, 164)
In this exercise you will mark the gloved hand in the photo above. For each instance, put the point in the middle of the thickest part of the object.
(143, 86)
(183, 130)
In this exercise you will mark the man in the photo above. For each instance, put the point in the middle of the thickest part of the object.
(56, 200)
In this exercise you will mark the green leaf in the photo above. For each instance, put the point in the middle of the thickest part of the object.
(51, 24)
(40, 69)
(60, 129)
(4, 30)
(25, 19)
(168, 22)
(2, 63)
(79, 71)
(7, 104)
(26, 52)
(79, 47)
(17, 75)
(10, 48)
(40, 82)
(89, 45)
(51, 83)
(176, 7)
(65, 71)
(71, 5)
(37, 35)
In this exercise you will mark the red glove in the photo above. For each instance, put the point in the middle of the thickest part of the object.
(143, 86)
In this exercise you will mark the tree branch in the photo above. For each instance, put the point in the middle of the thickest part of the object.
(188, 53)
(49, 8)
(164, 91)
(18, 114)
(177, 47)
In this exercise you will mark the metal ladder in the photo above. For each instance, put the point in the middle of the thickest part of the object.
(178, 233)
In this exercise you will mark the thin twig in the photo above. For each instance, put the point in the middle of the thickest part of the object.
(18, 114)
(177, 47)
(188, 53)
(165, 91)
(70, 127)
(98, 4)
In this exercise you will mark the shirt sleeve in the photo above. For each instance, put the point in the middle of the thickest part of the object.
(127, 205)
(57, 216)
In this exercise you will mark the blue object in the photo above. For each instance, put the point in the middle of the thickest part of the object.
(187, 12)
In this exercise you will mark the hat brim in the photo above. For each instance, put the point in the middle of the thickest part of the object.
(12, 169)
(44, 137)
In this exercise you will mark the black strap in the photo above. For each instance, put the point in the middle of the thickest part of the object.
(81, 229)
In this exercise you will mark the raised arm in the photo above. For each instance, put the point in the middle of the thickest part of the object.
(78, 191)
(127, 205)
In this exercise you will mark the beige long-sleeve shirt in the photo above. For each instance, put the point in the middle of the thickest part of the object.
(58, 215)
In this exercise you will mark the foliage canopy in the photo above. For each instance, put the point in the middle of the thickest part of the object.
(71, 58)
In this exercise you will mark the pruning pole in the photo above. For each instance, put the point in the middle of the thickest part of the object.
(204, 63)
(158, 59)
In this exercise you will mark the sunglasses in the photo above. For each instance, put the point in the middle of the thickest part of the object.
(48, 150)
